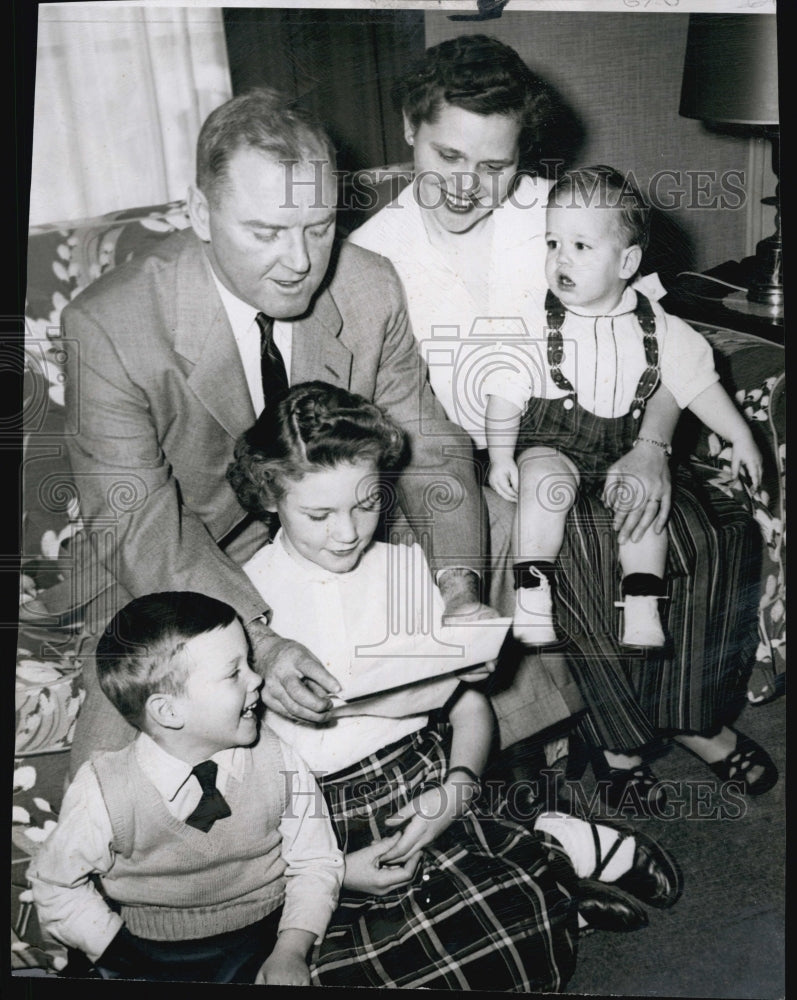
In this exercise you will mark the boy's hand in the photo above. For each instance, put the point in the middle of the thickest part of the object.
(745, 453)
(503, 477)
(365, 871)
(287, 963)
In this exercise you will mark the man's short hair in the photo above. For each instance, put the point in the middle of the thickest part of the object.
(602, 186)
(260, 119)
(138, 653)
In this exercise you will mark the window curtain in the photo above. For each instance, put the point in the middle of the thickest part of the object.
(341, 64)
(121, 93)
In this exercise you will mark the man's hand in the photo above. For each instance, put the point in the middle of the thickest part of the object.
(296, 685)
(365, 872)
(639, 491)
(459, 588)
(287, 963)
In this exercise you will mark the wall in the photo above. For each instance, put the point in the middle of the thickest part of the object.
(620, 73)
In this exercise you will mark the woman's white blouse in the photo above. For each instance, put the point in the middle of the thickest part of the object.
(458, 339)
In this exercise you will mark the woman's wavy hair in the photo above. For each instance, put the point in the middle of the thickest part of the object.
(481, 75)
(313, 426)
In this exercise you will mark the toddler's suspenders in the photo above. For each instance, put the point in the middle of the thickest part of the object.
(650, 377)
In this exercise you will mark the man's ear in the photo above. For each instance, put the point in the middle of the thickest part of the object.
(163, 711)
(630, 261)
(409, 131)
(199, 213)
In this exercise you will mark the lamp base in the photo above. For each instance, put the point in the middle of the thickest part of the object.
(765, 283)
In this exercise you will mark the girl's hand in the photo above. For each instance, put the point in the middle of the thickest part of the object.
(503, 477)
(426, 817)
(365, 870)
(745, 453)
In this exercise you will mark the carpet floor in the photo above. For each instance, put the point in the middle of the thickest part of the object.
(725, 937)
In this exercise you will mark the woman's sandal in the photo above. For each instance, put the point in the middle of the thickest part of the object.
(620, 788)
(635, 788)
(746, 755)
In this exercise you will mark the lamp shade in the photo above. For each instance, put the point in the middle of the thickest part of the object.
(731, 69)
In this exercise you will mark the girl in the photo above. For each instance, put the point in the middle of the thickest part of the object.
(440, 892)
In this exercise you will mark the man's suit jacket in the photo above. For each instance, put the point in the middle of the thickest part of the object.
(157, 396)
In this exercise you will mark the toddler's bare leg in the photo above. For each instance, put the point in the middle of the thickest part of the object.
(547, 488)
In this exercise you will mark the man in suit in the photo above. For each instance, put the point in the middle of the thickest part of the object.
(167, 374)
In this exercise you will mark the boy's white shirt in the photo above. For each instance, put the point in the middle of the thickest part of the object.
(604, 357)
(74, 913)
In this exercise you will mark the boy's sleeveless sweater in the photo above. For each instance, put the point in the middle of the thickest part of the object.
(174, 882)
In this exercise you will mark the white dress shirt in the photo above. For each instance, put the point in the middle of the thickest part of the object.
(457, 336)
(243, 321)
(604, 358)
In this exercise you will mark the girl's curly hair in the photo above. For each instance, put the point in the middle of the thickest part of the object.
(313, 426)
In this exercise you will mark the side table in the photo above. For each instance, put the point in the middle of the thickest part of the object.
(709, 298)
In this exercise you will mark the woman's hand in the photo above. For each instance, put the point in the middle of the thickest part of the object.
(639, 491)
(296, 685)
(426, 817)
(365, 870)
(503, 477)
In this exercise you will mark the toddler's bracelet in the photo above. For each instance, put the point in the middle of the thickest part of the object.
(666, 448)
(474, 778)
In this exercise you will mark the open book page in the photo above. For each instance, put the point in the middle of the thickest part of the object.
(409, 659)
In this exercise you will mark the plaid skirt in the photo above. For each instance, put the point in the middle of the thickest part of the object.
(490, 906)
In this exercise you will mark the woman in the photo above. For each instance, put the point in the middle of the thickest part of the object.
(469, 244)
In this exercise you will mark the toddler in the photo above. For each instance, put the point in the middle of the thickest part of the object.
(607, 348)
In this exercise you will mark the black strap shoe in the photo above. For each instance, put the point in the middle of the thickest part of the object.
(654, 877)
(607, 908)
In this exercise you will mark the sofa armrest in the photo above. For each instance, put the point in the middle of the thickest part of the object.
(752, 372)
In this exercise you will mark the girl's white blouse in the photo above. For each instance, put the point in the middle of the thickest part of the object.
(390, 594)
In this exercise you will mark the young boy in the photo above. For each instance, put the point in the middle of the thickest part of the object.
(203, 850)
(570, 411)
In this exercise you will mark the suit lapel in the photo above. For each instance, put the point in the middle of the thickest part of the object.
(316, 351)
(204, 337)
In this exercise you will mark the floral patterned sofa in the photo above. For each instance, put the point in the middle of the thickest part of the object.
(62, 259)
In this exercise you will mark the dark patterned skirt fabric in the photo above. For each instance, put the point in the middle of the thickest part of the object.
(489, 907)
(696, 683)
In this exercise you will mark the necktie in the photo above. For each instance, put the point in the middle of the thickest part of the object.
(212, 805)
(272, 367)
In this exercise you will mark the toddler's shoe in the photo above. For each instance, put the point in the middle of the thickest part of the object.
(641, 622)
(533, 620)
